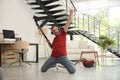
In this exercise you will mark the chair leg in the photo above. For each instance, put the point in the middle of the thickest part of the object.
(20, 61)
(26, 63)
(14, 62)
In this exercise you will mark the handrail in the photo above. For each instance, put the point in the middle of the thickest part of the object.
(68, 4)
(114, 29)
(88, 15)
(73, 5)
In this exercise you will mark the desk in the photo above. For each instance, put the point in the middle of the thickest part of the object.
(1, 44)
(12, 43)
(91, 52)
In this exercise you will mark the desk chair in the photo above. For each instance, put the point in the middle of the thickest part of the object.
(21, 47)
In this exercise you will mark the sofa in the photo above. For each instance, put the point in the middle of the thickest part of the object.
(77, 46)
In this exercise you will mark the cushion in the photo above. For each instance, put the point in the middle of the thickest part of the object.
(74, 44)
(92, 47)
(83, 45)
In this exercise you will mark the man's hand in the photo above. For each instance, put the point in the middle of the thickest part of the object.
(50, 45)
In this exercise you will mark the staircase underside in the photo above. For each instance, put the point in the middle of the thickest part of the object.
(54, 14)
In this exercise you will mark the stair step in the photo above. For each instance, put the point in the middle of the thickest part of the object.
(56, 11)
(42, 18)
(68, 32)
(32, 3)
(71, 27)
(48, 7)
(59, 16)
(79, 32)
(59, 25)
(46, 17)
(73, 32)
(76, 32)
(53, 17)
(52, 12)
(40, 12)
(58, 20)
(52, 6)
(37, 8)
(68, 27)
(49, 2)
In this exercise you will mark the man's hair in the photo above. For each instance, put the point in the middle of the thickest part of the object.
(53, 27)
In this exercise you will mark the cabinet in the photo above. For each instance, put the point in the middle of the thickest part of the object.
(8, 55)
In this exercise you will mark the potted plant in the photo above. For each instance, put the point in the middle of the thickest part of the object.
(105, 42)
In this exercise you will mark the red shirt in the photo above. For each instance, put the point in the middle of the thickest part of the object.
(59, 45)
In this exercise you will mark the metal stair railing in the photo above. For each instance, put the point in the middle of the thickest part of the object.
(93, 26)
(83, 21)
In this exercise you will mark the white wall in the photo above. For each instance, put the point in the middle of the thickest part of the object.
(17, 15)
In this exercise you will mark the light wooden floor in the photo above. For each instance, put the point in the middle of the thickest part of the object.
(108, 70)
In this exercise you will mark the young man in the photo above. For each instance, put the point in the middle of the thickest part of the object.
(59, 53)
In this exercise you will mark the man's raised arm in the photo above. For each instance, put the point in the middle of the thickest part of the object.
(69, 20)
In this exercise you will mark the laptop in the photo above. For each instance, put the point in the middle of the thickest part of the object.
(9, 35)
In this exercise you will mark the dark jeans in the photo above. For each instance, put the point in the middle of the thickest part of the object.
(62, 60)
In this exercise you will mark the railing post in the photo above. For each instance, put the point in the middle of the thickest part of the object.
(78, 22)
(88, 24)
(83, 22)
(99, 30)
(118, 41)
(66, 6)
(94, 26)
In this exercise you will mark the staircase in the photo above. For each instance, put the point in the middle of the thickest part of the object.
(52, 12)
